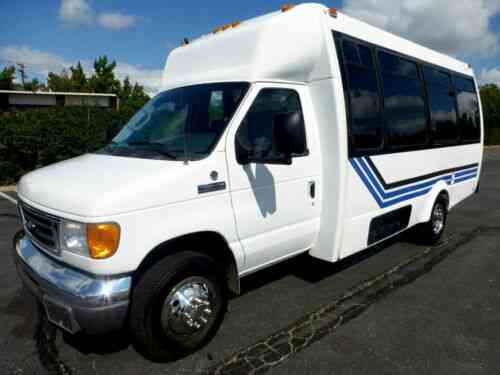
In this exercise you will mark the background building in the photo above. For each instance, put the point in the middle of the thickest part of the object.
(20, 100)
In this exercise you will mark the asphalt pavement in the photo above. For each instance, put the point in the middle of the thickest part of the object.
(398, 308)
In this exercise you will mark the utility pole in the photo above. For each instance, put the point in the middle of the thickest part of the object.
(22, 69)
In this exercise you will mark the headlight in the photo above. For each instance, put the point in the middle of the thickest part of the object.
(73, 237)
(97, 241)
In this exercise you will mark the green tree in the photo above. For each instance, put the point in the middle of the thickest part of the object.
(103, 80)
(126, 90)
(7, 77)
(132, 98)
(59, 82)
(490, 99)
(78, 79)
(32, 85)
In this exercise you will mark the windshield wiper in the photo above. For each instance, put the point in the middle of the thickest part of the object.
(158, 147)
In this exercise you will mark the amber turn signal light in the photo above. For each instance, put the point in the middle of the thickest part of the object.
(102, 240)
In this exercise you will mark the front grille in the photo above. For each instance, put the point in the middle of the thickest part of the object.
(42, 228)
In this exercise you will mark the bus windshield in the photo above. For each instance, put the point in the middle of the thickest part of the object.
(183, 123)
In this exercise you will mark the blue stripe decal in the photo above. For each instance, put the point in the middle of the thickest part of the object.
(460, 174)
(365, 181)
(457, 176)
(389, 198)
(458, 180)
(401, 191)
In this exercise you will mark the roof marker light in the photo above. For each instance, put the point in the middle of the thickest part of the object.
(217, 30)
(333, 12)
(185, 42)
(236, 24)
(287, 7)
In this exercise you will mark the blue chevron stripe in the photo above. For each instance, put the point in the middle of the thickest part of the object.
(387, 198)
(395, 193)
(365, 181)
(461, 174)
(466, 178)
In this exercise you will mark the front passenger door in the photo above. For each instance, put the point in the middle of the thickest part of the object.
(275, 204)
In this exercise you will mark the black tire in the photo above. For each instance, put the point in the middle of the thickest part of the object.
(150, 336)
(430, 233)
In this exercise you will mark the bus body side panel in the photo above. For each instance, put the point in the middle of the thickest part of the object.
(382, 184)
(329, 106)
(333, 143)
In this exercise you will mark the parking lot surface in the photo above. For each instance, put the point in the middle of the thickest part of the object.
(398, 308)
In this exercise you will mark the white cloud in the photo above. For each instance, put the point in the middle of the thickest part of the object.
(149, 78)
(116, 21)
(490, 76)
(458, 27)
(39, 64)
(76, 12)
(79, 12)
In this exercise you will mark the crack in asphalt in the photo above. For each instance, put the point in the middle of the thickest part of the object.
(276, 348)
(45, 338)
(282, 345)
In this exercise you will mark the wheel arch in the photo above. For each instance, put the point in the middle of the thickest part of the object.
(440, 189)
(218, 249)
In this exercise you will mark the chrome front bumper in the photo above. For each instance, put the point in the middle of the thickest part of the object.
(73, 300)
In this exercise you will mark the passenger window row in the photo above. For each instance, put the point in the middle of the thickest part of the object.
(397, 103)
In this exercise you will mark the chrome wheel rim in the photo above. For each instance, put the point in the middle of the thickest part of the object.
(189, 307)
(438, 215)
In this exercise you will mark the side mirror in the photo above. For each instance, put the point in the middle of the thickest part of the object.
(289, 134)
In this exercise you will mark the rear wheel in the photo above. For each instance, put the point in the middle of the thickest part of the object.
(431, 232)
(177, 306)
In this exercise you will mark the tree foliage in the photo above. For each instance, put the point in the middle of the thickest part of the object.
(490, 100)
(59, 82)
(33, 85)
(102, 80)
(7, 77)
(79, 82)
(39, 137)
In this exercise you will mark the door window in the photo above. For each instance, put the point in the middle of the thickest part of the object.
(255, 135)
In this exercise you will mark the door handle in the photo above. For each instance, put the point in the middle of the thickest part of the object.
(312, 189)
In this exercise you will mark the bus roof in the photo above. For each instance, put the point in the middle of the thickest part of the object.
(291, 46)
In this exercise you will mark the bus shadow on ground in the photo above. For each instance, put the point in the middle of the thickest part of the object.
(304, 267)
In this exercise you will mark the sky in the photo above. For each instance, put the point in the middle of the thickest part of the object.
(51, 35)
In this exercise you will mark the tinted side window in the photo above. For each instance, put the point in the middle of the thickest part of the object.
(394, 64)
(442, 107)
(435, 76)
(366, 126)
(464, 84)
(468, 110)
(351, 52)
(404, 104)
(255, 134)
(406, 122)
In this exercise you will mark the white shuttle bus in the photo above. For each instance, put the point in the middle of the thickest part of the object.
(303, 130)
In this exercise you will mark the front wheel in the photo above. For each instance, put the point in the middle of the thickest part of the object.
(430, 233)
(177, 306)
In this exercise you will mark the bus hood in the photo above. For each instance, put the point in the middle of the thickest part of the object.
(101, 185)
